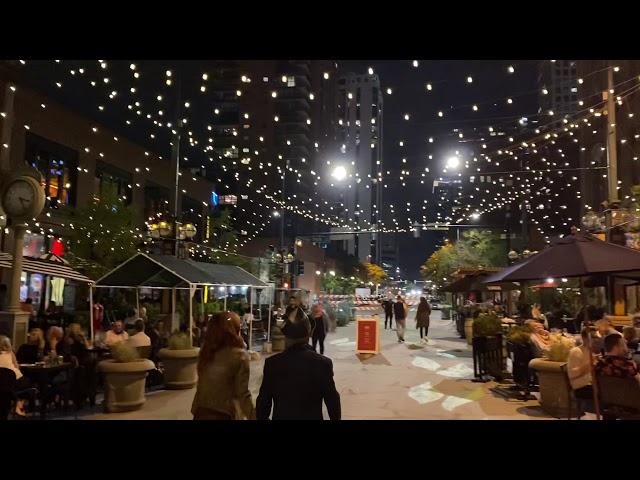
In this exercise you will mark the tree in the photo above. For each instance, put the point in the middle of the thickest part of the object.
(373, 273)
(439, 264)
(476, 249)
(101, 235)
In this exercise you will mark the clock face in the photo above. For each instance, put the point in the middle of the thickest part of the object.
(19, 198)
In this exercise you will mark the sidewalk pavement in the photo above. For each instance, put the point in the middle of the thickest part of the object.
(404, 381)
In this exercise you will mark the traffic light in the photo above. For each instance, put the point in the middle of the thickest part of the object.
(300, 267)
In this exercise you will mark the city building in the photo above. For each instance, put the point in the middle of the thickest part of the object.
(593, 140)
(558, 83)
(360, 132)
(79, 159)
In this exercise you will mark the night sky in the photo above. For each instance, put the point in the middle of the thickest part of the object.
(451, 93)
(491, 85)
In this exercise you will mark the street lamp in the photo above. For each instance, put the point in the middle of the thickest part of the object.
(453, 162)
(172, 231)
(339, 173)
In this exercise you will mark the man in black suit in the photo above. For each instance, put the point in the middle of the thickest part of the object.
(296, 381)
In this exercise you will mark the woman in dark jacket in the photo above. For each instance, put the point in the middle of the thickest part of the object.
(319, 327)
(422, 318)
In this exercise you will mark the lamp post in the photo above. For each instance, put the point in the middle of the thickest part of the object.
(173, 234)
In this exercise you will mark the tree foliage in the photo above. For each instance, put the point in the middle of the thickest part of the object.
(101, 234)
(373, 273)
(476, 249)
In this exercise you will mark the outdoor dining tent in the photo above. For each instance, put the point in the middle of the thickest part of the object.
(173, 273)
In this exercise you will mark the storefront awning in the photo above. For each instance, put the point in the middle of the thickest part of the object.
(51, 265)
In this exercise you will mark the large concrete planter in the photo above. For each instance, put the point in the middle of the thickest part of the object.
(468, 330)
(555, 392)
(180, 367)
(124, 384)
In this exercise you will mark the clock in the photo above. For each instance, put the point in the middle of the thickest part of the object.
(22, 198)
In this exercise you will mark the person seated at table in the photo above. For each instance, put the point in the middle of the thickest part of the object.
(588, 313)
(139, 339)
(116, 335)
(605, 328)
(540, 340)
(33, 350)
(75, 343)
(615, 362)
(130, 319)
(579, 365)
(8, 360)
(630, 336)
(54, 343)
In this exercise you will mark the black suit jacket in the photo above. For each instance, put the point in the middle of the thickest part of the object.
(296, 382)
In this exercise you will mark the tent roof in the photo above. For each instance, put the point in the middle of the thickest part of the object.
(48, 264)
(167, 271)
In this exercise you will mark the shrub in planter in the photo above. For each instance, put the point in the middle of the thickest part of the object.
(180, 362)
(559, 348)
(344, 313)
(555, 393)
(487, 325)
(124, 382)
(518, 340)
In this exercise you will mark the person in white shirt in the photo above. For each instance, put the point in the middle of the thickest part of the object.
(8, 361)
(116, 334)
(579, 366)
(139, 339)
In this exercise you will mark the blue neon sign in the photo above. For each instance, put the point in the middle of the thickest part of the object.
(215, 200)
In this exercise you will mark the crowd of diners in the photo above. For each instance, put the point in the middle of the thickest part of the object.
(73, 346)
(601, 349)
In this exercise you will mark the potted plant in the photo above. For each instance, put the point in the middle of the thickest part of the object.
(469, 312)
(518, 340)
(555, 392)
(488, 355)
(180, 361)
(124, 379)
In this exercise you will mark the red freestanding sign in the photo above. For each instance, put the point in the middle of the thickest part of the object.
(368, 335)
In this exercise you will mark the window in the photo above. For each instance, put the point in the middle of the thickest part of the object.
(58, 165)
(265, 79)
(156, 199)
(110, 180)
(291, 81)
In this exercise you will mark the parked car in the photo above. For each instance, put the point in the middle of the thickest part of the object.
(435, 304)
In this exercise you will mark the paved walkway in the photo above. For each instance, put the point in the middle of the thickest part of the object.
(405, 381)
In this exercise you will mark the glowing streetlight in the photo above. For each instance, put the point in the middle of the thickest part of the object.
(339, 173)
(475, 216)
(453, 162)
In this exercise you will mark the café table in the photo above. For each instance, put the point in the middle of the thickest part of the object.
(42, 375)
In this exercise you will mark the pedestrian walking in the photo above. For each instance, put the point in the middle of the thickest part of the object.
(319, 327)
(296, 382)
(400, 310)
(422, 318)
(387, 304)
(223, 373)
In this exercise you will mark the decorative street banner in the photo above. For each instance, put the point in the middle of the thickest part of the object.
(368, 335)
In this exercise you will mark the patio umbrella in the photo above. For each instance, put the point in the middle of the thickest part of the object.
(574, 256)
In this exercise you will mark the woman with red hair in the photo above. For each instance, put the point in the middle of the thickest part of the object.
(223, 373)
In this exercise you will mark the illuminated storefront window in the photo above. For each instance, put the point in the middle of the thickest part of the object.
(58, 166)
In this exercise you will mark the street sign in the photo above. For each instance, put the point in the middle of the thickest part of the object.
(368, 335)
(439, 229)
